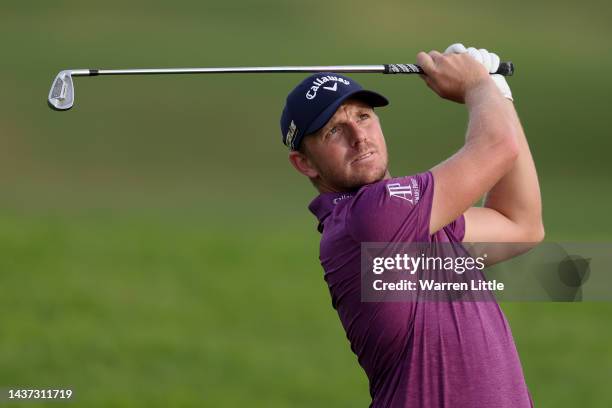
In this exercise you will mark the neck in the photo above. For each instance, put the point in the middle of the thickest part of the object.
(323, 187)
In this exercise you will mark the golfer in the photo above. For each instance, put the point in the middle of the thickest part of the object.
(419, 354)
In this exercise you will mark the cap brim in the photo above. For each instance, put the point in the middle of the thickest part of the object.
(371, 98)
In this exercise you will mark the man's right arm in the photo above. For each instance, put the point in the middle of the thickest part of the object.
(491, 144)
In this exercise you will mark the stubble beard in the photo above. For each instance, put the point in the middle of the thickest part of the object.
(356, 181)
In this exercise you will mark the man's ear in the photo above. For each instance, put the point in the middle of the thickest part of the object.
(302, 164)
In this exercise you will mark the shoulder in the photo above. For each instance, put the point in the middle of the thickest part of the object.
(389, 208)
(397, 192)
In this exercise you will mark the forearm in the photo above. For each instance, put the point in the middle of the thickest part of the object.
(490, 116)
(517, 194)
(493, 130)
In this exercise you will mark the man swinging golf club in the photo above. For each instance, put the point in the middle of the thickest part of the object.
(419, 354)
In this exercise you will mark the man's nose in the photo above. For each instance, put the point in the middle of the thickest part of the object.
(358, 134)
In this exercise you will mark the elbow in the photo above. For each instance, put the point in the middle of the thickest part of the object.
(542, 232)
(538, 234)
(529, 231)
(537, 230)
(534, 234)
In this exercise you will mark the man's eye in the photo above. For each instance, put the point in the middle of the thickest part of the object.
(333, 130)
(364, 116)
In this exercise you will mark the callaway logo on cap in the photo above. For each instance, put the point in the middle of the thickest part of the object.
(315, 100)
(320, 81)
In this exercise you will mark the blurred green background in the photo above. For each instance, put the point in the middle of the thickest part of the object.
(155, 246)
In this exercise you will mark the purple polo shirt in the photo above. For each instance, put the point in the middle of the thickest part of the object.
(415, 354)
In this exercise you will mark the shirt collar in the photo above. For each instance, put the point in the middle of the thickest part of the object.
(325, 203)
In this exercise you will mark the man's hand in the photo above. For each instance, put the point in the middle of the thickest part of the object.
(490, 60)
(453, 76)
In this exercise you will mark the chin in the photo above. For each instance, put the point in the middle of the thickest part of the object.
(368, 178)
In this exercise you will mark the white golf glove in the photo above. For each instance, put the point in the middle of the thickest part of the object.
(491, 62)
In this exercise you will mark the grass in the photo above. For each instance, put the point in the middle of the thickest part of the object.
(144, 312)
(152, 310)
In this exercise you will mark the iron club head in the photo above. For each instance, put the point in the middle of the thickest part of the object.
(61, 95)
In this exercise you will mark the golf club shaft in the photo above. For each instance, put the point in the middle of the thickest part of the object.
(505, 68)
(61, 94)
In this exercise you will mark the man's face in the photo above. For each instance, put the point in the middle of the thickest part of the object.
(349, 151)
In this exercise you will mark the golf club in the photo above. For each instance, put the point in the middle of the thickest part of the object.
(61, 95)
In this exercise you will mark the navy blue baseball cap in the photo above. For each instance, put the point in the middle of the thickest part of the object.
(315, 100)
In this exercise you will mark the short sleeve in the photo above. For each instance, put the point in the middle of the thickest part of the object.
(392, 210)
(456, 229)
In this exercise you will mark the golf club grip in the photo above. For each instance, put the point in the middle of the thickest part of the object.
(505, 69)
